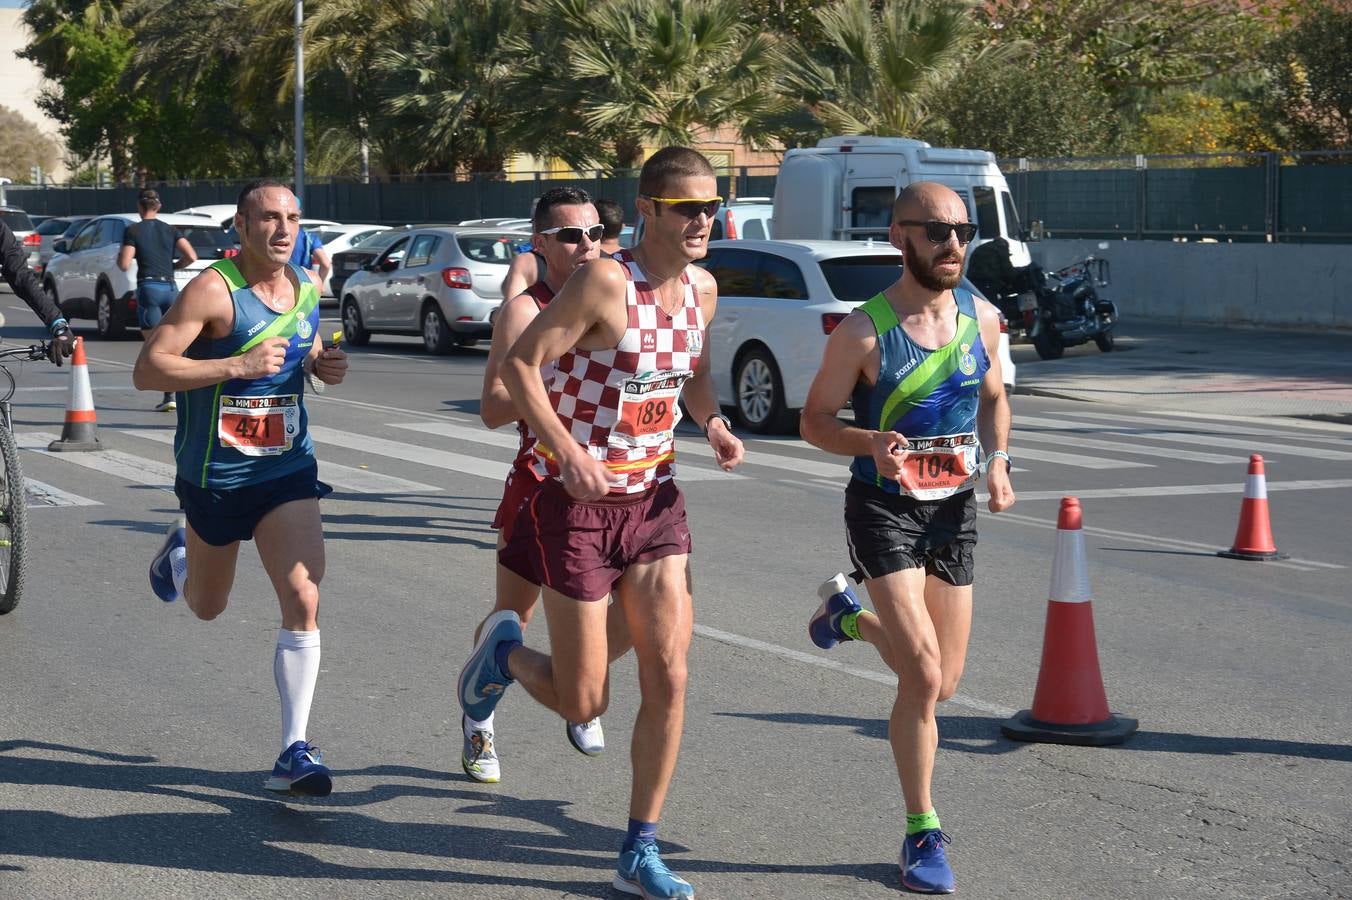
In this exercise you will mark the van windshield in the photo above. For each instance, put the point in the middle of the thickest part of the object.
(854, 279)
(987, 213)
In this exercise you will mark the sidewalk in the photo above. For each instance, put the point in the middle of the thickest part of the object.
(1203, 369)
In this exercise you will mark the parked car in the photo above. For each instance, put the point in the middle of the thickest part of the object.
(337, 238)
(443, 282)
(86, 283)
(777, 302)
(52, 230)
(744, 217)
(349, 261)
(23, 229)
(512, 224)
(224, 213)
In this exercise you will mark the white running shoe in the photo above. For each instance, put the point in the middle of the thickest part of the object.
(479, 758)
(587, 738)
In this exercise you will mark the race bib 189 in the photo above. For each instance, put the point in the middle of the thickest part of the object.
(939, 467)
(648, 410)
(259, 426)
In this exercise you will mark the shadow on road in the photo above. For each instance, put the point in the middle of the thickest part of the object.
(961, 732)
(235, 828)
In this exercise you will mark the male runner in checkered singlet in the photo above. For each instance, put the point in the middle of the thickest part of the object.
(628, 335)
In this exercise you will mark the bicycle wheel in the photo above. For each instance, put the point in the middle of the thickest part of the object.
(13, 523)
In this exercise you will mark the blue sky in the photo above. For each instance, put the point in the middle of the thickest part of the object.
(12, 4)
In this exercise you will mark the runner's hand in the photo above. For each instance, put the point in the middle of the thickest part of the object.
(889, 453)
(264, 358)
(1000, 489)
(584, 477)
(330, 366)
(727, 446)
(62, 345)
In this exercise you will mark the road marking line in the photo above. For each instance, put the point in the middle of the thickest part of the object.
(136, 469)
(43, 495)
(1174, 490)
(1174, 432)
(1067, 438)
(886, 678)
(427, 456)
(1078, 460)
(1287, 421)
(1155, 540)
(359, 480)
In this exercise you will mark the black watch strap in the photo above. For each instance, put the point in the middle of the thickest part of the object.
(717, 415)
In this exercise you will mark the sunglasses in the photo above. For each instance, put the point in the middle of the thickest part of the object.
(572, 234)
(688, 207)
(938, 232)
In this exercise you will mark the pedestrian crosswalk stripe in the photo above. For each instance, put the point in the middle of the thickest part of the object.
(1170, 434)
(1071, 439)
(136, 469)
(684, 471)
(698, 446)
(39, 494)
(427, 456)
(1333, 431)
(1077, 460)
(346, 477)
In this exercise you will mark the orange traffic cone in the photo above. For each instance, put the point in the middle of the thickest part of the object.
(1253, 539)
(81, 429)
(1069, 706)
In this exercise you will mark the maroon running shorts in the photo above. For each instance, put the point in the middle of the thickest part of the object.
(522, 482)
(582, 549)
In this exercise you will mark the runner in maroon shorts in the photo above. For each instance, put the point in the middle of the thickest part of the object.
(628, 335)
(567, 233)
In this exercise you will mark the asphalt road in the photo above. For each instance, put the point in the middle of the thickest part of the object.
(134, 739)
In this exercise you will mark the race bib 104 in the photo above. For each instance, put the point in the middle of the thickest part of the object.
(648, 409)
(259, 426)
(939, 467)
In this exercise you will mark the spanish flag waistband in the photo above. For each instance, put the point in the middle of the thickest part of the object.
(622, 466)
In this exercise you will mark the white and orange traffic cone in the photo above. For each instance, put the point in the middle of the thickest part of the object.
(81, 429)
(1069, 706)
(1253, 538)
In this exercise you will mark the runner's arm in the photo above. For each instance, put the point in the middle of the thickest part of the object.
(993, 414)
(125, 254)
(323, 265)
(701, 399)
(521, 274)
(495, 404)
(204, 309)
(14, 267)
(186, 254)
(847, 350)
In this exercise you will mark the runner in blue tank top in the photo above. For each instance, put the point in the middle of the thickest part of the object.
(236, 347)
(928, 399)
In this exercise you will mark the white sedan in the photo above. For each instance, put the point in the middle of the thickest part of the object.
(337, 238)
(777, 302)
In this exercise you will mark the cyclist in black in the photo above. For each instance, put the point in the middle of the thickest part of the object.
(14, 263)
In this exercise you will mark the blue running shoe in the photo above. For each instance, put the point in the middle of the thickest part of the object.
(301, 770)
(924, 868)
(837, 599)
(481, 681)
(161, 572)
(642, 872)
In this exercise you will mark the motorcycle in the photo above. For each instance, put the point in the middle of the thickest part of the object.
(1068, 310)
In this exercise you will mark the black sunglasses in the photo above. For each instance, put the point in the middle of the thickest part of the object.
(688, 207)
(938, 232)
(572, 234)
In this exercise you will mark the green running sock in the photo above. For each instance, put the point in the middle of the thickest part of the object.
(918, 822)
(849, 625)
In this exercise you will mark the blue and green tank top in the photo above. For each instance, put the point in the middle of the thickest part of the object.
(930, 396)
(247, 431)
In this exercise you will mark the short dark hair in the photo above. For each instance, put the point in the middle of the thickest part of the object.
(559, 196)
(669, 163)
(612, 218)
(148, 198)
(258, 184)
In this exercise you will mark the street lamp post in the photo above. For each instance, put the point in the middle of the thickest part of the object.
(300, 108)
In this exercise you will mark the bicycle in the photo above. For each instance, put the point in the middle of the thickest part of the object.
(13, 499)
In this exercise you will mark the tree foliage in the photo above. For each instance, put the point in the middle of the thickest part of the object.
(23, 145)
(1311, 93)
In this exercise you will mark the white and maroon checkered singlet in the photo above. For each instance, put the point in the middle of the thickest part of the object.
(620, 404)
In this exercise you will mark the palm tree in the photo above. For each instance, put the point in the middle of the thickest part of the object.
(613, 76)
(876, 71)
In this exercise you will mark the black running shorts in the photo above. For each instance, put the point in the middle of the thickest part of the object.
(890, 532)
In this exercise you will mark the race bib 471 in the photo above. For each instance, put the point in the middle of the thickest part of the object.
(259, 426)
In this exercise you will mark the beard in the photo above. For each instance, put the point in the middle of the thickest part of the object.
(923, 270)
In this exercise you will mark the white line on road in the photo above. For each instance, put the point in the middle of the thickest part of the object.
(41, 494)
(359, 480)
(427, 456)
(1173, 433)
(136, 469)
(1343, 431)
(1071, 439)
(886, 678)
(1176, 490)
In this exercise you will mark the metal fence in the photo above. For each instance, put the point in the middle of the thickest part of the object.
(1287, 197)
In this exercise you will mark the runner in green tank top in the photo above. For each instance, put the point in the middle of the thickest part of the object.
(927, 397)
(236, 346)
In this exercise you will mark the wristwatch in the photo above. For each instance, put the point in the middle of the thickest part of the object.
(717, 415)
(999, 454)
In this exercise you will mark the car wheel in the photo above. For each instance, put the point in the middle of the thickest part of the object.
(760, 393)
(1104, 341)
(1048, 345)
(109, 317)
(353, 331)
(436, 334)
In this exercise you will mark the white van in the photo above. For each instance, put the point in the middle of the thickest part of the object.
(843, 189)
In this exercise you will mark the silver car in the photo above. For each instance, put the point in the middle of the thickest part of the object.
(53, 230)
(443, 282)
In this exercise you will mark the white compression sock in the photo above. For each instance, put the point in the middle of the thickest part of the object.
(472, 726)
(295, 667)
